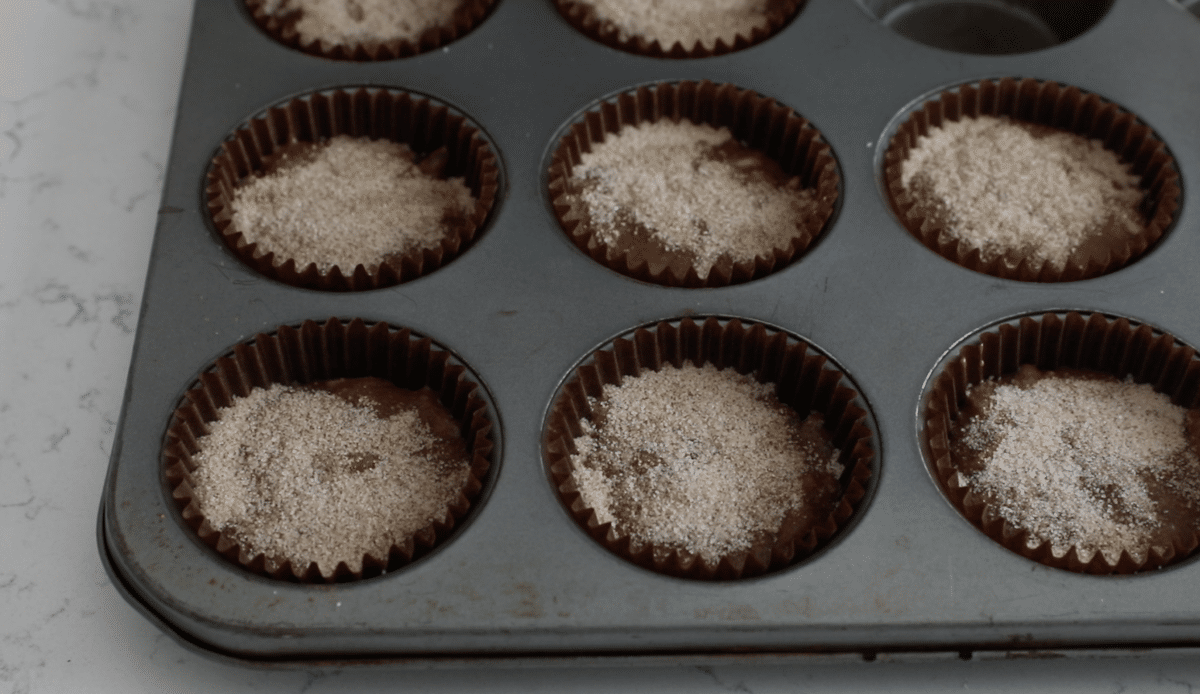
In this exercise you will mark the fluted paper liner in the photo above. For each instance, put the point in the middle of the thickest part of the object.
(1063, 108)
(1093, 342)
(805, 380)
(422, 124)
(756, 121)
(318, 352)
(282, 28)
(583, 17)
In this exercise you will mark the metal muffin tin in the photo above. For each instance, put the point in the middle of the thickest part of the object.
(524, 305)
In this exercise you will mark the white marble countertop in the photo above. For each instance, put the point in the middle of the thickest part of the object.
(87, 102)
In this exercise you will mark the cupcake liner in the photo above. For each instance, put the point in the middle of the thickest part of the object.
(805, 381)
(756, 121)
(1063, 108)
(318, 352)
(282, 28)
(583, 17)
(1091, 342)
(424, 125)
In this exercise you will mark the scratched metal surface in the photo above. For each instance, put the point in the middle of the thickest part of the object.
(524, 305)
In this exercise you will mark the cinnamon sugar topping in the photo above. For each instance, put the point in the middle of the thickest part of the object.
(702, 460)
(307, 475)
(686, 22)
(694, 190)
(1083, 461)
(349, 22)
(348, 202)
(1008, 187)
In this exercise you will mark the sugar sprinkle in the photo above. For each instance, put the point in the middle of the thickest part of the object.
(351, 201)
(1070, 460)
(666, 177)
(701, 459)
(687, 22)
(305, 475)
(348, 22)
(1000, 186)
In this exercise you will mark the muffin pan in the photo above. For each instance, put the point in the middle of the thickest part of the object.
(522, 306)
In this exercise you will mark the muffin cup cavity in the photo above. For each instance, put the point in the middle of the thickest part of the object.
(1056, 106)
(756, 121)
(318, 352)
(584, 18)
(996, 27)
(805, 380)
(1088, 341)
(282, 28)
(422, 124)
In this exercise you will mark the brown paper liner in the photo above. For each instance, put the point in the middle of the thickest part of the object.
(1052, 341)
(754, 120)
(583, 17)
(1063, 108)
(420, 123)
(805, 381)
(282, 28)
(318, 352)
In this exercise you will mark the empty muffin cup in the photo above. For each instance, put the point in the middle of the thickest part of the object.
(329, 452)
(1072, 440)
(990, 175)
(370, 188)
(693, 184)
(989, 27)
(710, 449)
(367, 30)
